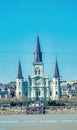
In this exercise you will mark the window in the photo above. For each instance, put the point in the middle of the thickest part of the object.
(50, 93)
(26, 94)
(19, 86)
(35, 72)
(56, 83)
(39, 93)
(56, 93)
(19, 93)
(45, 82)
(38, 72)
(36, 94)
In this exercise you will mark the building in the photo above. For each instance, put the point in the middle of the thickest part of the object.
(21, 85)
(11, 87)
(55, 87)
(38, 85)
(64, 89)
(72, 89)
(3, 91)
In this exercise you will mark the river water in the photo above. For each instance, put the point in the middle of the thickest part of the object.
(39, 122)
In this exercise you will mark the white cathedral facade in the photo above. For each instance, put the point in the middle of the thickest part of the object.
(38, 86)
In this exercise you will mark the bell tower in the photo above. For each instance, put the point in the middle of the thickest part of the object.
(38, 82)
(56, 90)
(38, 65)
(20, 84)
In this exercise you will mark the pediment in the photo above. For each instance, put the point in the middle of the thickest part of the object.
(37, 77)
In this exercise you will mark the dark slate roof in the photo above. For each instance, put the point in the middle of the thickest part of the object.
(56, 71)
(19, 75)
(38, 53)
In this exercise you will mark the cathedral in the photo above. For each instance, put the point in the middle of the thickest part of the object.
(38, 86)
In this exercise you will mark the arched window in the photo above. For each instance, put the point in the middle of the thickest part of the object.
(39, 93)
(50, 93)
(19, 93)
(38, 72)
(44, 82)
(56, 93)
(35, 72)
(19, 85)
(56, 83)
(26, 94)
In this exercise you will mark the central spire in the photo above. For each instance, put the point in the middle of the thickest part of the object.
(56, 71)
(19, 75)
(38, 53)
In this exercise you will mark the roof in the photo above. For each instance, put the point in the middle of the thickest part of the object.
(56, 71)
(19, 75)
(38, 53)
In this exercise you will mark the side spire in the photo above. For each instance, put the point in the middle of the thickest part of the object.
(38, 53)
(19, 75)
(56, 71)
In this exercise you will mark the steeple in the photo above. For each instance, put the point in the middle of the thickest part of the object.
(56, 71)
(38, 53)
(19, 75)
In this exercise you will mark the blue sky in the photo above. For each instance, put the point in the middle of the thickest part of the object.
(56, 23)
